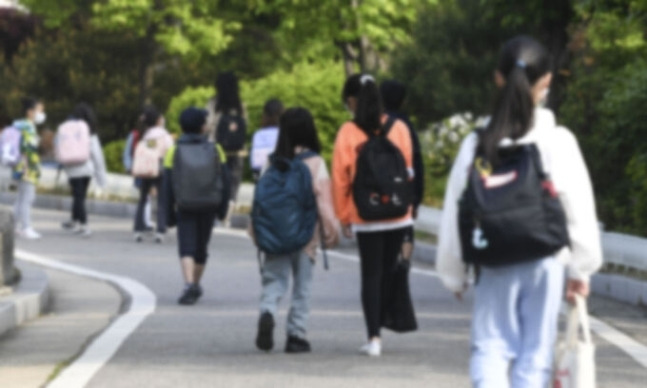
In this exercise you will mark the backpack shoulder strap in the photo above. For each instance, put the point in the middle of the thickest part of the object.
(386, 128)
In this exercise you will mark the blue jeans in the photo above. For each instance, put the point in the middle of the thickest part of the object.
(514, 326)
(276, 279)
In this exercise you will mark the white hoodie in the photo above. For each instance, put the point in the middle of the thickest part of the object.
(563, 161)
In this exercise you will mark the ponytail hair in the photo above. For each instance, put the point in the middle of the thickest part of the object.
(523, 61)
(368, 115)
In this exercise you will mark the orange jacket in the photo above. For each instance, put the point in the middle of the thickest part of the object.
(349, 139)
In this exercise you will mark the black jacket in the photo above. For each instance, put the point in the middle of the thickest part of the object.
(418, 164)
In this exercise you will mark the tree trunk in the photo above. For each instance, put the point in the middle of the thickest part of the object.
(554, 31)
(147, 67)
(148, 59)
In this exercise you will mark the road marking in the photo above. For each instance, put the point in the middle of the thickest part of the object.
(143, 303)
(631, 347)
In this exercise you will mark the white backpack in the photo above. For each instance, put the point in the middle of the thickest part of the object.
(73, 143)
(148, 158)
(10, 146)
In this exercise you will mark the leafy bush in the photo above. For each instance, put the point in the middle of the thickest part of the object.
(440, 145)
(113, 152)
(314, 86)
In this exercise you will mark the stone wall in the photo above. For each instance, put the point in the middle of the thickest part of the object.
(8, 273)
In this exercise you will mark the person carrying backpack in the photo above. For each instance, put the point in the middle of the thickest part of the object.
(227, 126)
(196, 188)
(264, 140)
(78, 150)
(394, 93)
(292, 211)
(147, 166)
(26, 169)
(372, 173)
(127, 160)
(520, 208)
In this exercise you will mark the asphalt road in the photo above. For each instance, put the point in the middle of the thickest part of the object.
(212, 344)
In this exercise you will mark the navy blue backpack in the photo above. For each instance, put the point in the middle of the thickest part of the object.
(284, 212)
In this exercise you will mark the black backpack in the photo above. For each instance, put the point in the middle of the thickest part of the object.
(510, 214)
(381, 188)
(198, 176)
(231, 132)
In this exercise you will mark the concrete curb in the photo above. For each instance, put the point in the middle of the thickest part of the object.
(27, 301)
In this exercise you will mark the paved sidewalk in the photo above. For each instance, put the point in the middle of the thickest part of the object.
(80, 308)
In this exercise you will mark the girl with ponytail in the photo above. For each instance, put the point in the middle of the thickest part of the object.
(379, 241)
(516, 306)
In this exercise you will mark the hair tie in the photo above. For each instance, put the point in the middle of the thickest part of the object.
(521, 63)
(366, 78)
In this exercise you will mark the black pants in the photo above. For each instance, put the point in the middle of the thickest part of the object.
(79, 194)
(235, 164)
(144, 191)
(194, 230)
(378, 253)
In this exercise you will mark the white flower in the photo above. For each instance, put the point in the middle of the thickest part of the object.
(453, 137)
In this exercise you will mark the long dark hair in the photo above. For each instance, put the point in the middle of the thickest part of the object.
(150, 116)
(296, 128)
(368, 115)
(228, 96)
(83, 111)
(28, 103)
(272, 112)
(523, 61)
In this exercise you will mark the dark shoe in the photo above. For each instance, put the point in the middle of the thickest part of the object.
(189, 296)
(297, 345)
(198, 291)
(265, 338)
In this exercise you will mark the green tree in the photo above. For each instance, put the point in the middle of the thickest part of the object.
(177, 28)
(362, 32)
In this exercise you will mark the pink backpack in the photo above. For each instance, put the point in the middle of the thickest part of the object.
(10, 146)
(147, 161)
(73, 143)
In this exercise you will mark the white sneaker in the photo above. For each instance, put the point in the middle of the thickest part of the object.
(372, 349)
(139, 237)
(30, 234)
(159, 238)
(84, 231)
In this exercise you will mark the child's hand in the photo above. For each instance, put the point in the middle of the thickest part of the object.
(347, 230)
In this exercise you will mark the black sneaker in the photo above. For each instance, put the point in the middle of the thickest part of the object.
(189, 296)
(265, 340)
(198, 291)
(297, 345)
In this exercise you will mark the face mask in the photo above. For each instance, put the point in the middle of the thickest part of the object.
(40, 118)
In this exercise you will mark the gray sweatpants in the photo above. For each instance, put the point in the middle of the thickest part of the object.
(24, 201)
(276, 279)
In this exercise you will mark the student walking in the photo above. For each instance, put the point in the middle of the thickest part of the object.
(264, 140)
(132, 140)
(79, 151)
(196, 186)
(526, 167)
(292, 210)
(27, 169)
(377, 208)
(228, 127)
(394, 93)
(147, 166)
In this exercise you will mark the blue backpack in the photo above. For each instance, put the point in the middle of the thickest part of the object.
(284, 212)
